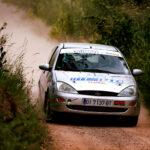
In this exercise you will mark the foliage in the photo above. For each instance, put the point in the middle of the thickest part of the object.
(2, 52)
(121, 23)
(20, 127)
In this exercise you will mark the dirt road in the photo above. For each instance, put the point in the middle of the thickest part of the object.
(74, 134)
(105, 135)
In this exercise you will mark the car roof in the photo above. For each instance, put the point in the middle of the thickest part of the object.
(89, 46)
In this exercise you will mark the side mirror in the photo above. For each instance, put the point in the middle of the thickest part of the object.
(137, 72)
(45, 67)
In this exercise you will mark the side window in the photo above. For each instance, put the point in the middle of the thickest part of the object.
(52, 60)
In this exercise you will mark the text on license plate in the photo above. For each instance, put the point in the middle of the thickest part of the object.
(97, 102)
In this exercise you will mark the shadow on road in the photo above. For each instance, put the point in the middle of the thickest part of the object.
(88, 120)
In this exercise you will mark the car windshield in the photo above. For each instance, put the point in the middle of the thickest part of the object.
(99, 63)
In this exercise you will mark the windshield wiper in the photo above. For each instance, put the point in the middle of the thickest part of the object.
(70, 69)
(98, 70)
(88, 70)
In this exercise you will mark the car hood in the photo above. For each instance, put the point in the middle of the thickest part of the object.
(95, 81)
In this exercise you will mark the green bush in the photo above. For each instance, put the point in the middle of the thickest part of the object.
(20, 126)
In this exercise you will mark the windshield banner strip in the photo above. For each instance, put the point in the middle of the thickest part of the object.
(91, 51)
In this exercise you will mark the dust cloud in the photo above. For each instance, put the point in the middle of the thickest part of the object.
(30, 34)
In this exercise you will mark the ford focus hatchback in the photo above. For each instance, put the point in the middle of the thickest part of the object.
(89, 79)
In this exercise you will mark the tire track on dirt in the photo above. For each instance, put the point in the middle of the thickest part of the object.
(72, 137)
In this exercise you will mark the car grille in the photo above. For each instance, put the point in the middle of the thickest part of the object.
(98, 93)
(96, 109)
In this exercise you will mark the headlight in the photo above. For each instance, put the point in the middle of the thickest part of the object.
(129, 91)
(63, 87)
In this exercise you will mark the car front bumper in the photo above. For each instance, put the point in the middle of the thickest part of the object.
(73, 103)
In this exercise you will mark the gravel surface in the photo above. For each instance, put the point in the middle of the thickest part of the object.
(101, 135)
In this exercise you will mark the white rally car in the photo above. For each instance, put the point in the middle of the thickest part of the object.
(89, 79)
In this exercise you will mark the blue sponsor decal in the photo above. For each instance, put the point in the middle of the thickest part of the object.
(89, 79)
(84, 101)
(111, 80)
(96, 79)
(117, 81)
(93, 79)
(83, 79)
(78, 79)
(100, 79)
(106, 79)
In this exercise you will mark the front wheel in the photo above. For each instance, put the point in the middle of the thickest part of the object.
(131, 121)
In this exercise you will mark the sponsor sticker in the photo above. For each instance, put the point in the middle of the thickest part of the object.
(91, 51)
(97, 80)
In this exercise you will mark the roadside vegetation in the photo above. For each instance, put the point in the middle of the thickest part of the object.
(20, 124)
(121, 23)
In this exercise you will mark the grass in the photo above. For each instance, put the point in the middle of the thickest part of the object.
(21, 126)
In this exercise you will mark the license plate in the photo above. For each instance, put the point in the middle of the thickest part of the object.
(97, 102)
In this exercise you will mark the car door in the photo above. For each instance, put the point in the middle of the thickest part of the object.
(46, 77)
(49, 74)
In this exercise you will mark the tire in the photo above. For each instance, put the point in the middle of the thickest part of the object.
(47, 108)
(39, 103)
(131, 121)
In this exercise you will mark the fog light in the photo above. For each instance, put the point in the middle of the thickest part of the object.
(69, 102)
(59, 99)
